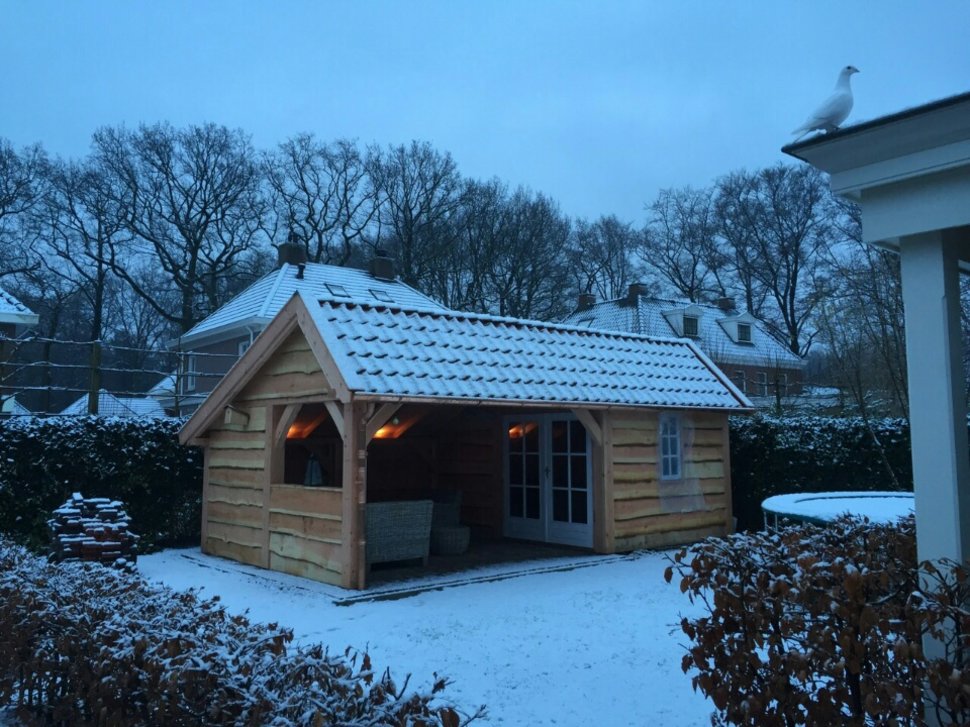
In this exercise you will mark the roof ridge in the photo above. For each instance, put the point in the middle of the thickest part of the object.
(272, 291)
(504, 320)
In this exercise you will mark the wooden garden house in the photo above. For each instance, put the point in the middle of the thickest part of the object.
(551, 433)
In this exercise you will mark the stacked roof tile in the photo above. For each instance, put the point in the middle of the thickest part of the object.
(388, 351)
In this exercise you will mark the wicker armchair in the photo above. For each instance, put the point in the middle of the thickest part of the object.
(398, 531)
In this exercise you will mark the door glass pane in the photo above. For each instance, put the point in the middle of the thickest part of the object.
(515, 501)
(559, 442)
(532, 503)
(560, 505)
(515, 469)
(577, 437)
(559, 471)
(579, 506)
(531, 436)
(578, 465)
(532, 469)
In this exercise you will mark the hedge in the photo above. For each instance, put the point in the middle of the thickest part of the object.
(140, 463)
(825, 626)
(81, 644)
(772, 456)
(136, 461)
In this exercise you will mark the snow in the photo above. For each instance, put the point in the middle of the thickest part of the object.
(578, 641)
(881, 507)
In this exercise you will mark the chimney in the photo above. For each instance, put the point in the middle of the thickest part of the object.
(636, 290)
(382, 266)
(585, 301)
(725, 303)
(290, 252)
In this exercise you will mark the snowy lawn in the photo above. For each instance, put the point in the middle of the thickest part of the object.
(594, 645)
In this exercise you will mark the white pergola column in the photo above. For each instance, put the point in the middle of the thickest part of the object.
(938, 413)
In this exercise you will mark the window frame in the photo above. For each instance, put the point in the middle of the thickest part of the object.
(762, 382)
(669, 438)
(741, 381)
(696, 323)
(190, 381)
(746, 327)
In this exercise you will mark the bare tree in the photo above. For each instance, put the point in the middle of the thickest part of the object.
(529, 275)
(680, 244)
(419, 191)
(778, 222)
(190, 199)
(322, 192)
(22, 187)
(603, 258)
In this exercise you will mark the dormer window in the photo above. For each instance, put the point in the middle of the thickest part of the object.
(744, 333)
(690, 326)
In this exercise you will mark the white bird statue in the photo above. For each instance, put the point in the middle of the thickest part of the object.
(834, 110)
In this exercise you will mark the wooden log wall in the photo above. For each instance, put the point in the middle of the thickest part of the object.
(304, 537)
(649, 512)
(246, 517)
(233, 503)
(470, 460)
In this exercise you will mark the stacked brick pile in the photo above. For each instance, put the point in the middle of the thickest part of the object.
(92, 529)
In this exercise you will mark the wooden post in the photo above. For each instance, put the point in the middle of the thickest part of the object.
(353, 531)
(205, 497)
(603, 519)
(726, 458)
(272, 470)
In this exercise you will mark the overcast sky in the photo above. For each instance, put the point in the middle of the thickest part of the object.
(598, 104)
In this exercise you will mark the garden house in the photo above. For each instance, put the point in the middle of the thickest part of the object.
(328, 441)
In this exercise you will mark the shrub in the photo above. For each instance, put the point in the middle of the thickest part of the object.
(81, 644)
(811, 625)
(136, 461)
(772, 456)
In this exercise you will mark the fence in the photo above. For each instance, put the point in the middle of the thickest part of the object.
(44, 376)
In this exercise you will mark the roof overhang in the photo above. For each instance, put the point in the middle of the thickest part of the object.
(910, 170)
(246, 326)
(20, 319)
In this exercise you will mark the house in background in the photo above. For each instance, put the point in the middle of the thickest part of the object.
(15, 320)
(602, 440)
(737, 342)
(111, 405)
(214, 344)
(15, 317)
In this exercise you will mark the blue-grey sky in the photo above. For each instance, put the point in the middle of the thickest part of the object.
(597, 104)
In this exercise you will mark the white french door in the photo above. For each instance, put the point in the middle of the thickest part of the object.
(548, 482)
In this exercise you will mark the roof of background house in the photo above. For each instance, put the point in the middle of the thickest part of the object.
(387, 351)
(120, 406)
(14, 408)
(13, 311)
(647, 317)
(257, 304)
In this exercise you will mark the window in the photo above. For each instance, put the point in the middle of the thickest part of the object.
(690, 326)
(781, 382)
(669, 447)
(191, 365)
(744, 333)
(243, 347)
(381, 295)
(762, 383)
(338, 290)
(740, 381)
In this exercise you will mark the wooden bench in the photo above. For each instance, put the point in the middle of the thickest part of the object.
(398, 530)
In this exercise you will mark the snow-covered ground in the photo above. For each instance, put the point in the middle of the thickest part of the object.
(597, 644)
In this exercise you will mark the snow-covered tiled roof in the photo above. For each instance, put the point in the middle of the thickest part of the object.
(393, 352)
(647, 317)
(262, 300)
(119, 406)
(13, 311)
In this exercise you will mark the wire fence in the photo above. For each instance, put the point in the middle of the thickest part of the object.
(45, 376)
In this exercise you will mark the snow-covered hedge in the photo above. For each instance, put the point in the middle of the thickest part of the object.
(83, 644)
(136, 461)
(824, 626)
(774, 455)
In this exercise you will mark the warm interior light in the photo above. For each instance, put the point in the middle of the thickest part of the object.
(517, 431)
(384, 432)
(293, 432)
